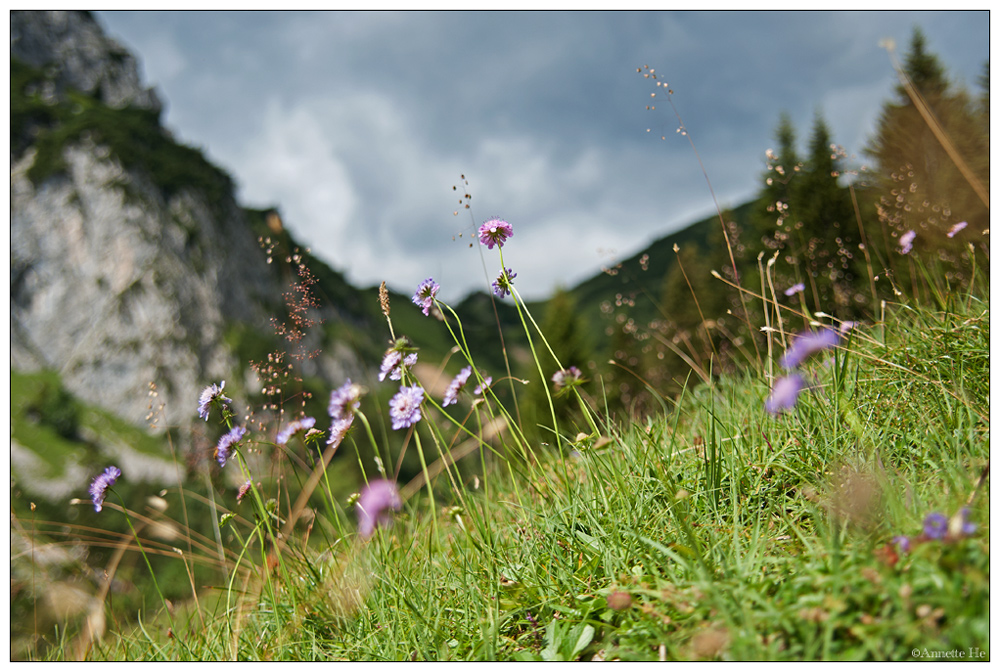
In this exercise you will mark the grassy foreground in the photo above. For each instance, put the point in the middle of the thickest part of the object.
(714, 531)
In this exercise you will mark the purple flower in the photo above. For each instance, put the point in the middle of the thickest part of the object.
(481, 389)
(223, 450)
(785, 393)
(495, 232)
(502, 285)
(906, 241)
(294, 427)
(903, 543)
(955, 229)
(806, 344)
(959, 526)
(244, 489)
(99, 488)
(455, 386)
(390, 361)
(567, 378)
(211, 394)
(935, 526)
(344, 400)
(795, 289)
(424, 297)
(338, 430)
(404, 407)
(374, 505)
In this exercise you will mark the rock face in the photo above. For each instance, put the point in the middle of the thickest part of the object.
(117, 281)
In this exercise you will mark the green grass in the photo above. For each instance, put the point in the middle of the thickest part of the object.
(712, 531)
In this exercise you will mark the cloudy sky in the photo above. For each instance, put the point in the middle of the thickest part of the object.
(357, 125)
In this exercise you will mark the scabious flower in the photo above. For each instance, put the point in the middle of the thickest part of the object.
(955, 229)
(906, 241)
(806, 344)
(211, 394)
(394, 363)
(567, 378)
(99, 488)
(495, 232)
(244, 489)
(455, 386)
(294, 427)
(226, 443)
(481, 389)
(785, 393)
(374, 506)
(344, 400)
(404, 407)
(935, 526)
(795, 289)
(424, 296)
(502, 285)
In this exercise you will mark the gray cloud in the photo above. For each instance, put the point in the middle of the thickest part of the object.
(358, 124)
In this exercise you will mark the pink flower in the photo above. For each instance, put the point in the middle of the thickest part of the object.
(495, 232)
(955, 229)
(376, 502)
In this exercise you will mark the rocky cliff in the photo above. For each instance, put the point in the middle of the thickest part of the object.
(131, 262)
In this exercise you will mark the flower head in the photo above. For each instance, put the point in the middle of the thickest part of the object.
(212, 393)
(935, 526)
(226, 443)
(424, 296)
(99, 488)
(404, 407)
(495, 232)
(374, 505)
(785, 393)
(481, 389)
(902, 542)
(503, 283)
(906, 241)
(808, 343)
(795, 289)
(244, 489)
(344, 400)
(567, 378)
(955, 229)
(455, 386)
(293, 428)
(960, 526)
(338, 430)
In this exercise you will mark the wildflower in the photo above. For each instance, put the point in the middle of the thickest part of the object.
(338, 430)
(345, 400)
(481, 389)
(456, 386)
(619, 600)
(806, 344)
(567, 378)
(955, 229)
(502, 285)
(374, 504)
(404, 407)
(211, 394)
(902, 542)
(244, 489)
(292, 428)
(223, 449)
(935, 526)
(906, 241)
(785, 393)
(959, 526)
(394, 363)
(103, 481)
(495, 232)
(424, 296)
(795, 289)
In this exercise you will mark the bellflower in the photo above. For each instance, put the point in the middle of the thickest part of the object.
(374, 506)
(503, 283)
(935, 526)
(226, 443)
(404, 407)
(495, 232)
(99, 488)
(456, 386)
(424, 296)
(955, 229)
(806, 344)
(293, 428)
(906, 241)
(211, 394)
(785, 393)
